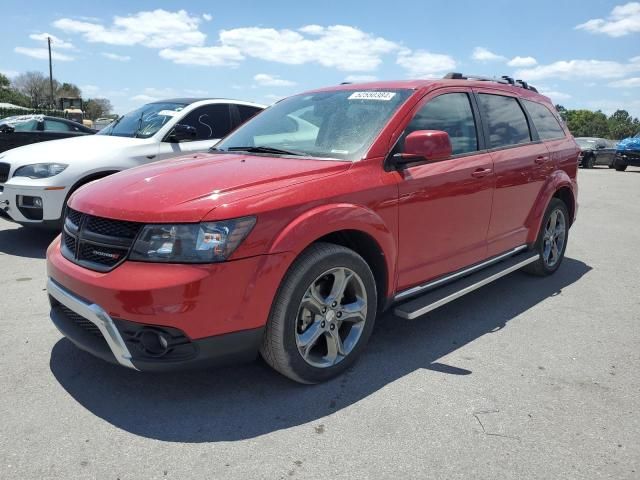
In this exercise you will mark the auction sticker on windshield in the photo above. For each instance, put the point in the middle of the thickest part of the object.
(384, 96)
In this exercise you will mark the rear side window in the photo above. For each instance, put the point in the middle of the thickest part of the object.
(450, 113)
(506, 121)
(246, 112)
(544, 121)
(210, 121)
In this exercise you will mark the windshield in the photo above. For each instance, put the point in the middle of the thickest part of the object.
(338, 124)
(143, 122)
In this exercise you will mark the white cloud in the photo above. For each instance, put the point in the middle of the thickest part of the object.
(337, 46)
(55, 41)
(481, 54)
(423, 64)
(583, 69)
(207, 17)
(555, 95)
(9, 73)
(90, 90)
(264, 79)
(116, 57)
(360, 78)
(154, 29)
(626, 83)
(43, 54)
(623, 20)
(142, 98)
(522, 62)
(217, 56)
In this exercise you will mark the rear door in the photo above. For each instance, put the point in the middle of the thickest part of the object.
(445, 206)
(521, 164)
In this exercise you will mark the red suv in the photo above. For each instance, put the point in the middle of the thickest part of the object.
(300, 227)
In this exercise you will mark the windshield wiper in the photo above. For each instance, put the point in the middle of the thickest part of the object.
(277, 151)
(135, 135)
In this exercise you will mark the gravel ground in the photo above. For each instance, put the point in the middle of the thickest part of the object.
(525, 378)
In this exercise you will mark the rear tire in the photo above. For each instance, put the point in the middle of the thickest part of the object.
(552, 240)
(322, 315)
(619, 166)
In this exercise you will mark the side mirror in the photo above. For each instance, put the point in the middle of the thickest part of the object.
(6, 128)
(431, 145)
(601, 147)
(182, 132)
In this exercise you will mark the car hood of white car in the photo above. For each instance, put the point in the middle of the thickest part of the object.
(70, 150)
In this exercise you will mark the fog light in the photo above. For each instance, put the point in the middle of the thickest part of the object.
(37, 202)
(154, 343)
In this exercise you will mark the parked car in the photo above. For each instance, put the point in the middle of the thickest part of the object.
(289, 241)
(37, 180)
(627, 153)
(596, 151)
(22, 130)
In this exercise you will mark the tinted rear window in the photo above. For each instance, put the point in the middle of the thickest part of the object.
(544, 121)
(506, 121)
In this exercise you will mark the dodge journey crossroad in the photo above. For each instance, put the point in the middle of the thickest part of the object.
(300, 227)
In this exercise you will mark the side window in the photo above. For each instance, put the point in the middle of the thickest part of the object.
(545, 122)
(27, 126)
(451, 113)
(55, 126)
(506, 120)
(246, 112)
(210, 121)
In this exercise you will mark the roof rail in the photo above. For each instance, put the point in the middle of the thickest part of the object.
(505, 79)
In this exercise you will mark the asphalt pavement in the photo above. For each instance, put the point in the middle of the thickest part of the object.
(525, 378)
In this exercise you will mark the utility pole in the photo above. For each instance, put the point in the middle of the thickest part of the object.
(50, 74)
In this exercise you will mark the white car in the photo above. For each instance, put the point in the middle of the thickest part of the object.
(36, 180)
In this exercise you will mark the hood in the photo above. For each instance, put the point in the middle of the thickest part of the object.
(631, 143)
(67, 150)
(185, 189)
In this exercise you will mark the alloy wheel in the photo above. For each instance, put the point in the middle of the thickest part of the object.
(331, 317)
(555, 234)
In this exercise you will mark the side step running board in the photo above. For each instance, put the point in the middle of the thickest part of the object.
(436, 298)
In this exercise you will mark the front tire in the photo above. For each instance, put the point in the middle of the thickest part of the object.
(322, 316)
(552, 240)
(619, 165)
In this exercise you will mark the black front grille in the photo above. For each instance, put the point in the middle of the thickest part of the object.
(4, 172)
(95, 242)
(81, 322)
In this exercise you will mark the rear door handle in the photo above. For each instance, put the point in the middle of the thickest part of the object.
(481, 172)
(541, 159)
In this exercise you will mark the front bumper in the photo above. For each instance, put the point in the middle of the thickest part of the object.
(218, 310)
(91, 328)
(16, 202)
(628, 157)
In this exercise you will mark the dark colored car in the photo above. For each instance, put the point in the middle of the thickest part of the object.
(596, 151)
(303, 224)
(627, 153)
(25, 129)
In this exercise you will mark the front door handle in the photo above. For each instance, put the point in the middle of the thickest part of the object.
(541, 159)
(481, 172)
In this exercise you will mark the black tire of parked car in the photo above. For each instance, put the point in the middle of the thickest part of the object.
(588, 161)
(619, 165)
(279, 348)
(539, 267)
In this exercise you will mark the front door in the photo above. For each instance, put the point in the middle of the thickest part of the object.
(212, 122)
(445, 206)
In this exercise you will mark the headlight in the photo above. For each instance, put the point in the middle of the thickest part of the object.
(191, 242)
(40, 170)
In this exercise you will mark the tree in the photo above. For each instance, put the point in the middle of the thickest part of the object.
(97, 107)
(622, 125)
(10, 95)
(68, 90)
(36, 87)
(585, 123)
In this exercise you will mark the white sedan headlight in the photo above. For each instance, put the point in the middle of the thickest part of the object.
(40, 170)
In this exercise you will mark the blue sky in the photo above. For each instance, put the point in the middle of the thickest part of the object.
(583, 54)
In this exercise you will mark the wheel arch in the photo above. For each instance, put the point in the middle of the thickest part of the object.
(352, 226)
(559, 185)
(86, 179)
